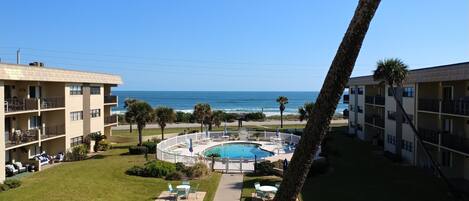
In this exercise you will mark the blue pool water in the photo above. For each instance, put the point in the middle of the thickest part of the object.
(238, 150)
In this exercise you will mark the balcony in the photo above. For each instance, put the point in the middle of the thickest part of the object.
(374, 120)
(52, 131)
(50, 103)
(110, 99)
(110, 119)
(432, 105)
(346, 98)
(19, 137)
(375, 100)
(460, 107)
(20, 104)
(445, 139)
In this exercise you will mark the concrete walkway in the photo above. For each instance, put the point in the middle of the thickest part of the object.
(230, 188)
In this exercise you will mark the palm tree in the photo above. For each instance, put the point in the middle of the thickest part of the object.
(326, 103)
(306, 111)
(164, 115)
(128, 117)
(202, 113)
(217, 117)
(393, 72)
(282, 101)
(142, 113)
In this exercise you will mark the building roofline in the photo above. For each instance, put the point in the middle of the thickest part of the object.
(10, 71)
(455, 71)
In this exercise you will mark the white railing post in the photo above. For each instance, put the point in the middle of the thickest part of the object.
(241, 165)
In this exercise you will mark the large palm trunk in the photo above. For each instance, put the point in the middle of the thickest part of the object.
(130, 127)
(435, 164)
(326, 103)
(162, 133)
(281, 119)
(139, 128)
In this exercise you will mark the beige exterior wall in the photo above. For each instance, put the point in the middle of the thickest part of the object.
(97, 102)
(73, 103)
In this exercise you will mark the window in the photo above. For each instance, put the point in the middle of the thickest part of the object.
(35, 122)
(407, 145)
(352, 91)
(391, 139)
(96, 113)
(76, 90)
(75, 116)
(408, 92)
(360, 90)
(76, 141)
(359, 109)
(95, 90)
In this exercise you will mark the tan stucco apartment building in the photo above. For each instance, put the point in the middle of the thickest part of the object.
(436, 98)
(50, 110)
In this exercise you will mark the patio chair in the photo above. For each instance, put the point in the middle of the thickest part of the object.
(182, 193)
(194, 190)
(260, 194)
(10, 170)
(171, 191)
(19, 167)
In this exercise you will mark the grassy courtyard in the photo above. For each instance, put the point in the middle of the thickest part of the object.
(101, 178)
(359, 172)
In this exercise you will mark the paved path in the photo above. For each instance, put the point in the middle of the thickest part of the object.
(230, 188)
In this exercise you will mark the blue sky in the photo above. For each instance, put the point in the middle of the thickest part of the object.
(241, 45)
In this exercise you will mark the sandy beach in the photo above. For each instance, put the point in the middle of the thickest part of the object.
(245, 123)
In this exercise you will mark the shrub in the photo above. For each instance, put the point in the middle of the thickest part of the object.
(255, 116)
(4, 187)
(136, 170)
(180, 166)
(158, 168)
(265, 168)
(197, 170)
(12, 183)
(136, 150)
(177, 175)
(78, 153)
(103, 145)
(151, 146)
(193, 131)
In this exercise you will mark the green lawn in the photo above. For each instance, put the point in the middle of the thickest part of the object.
(102, 178)
(360, 172)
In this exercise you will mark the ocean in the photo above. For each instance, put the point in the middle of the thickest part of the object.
(228, 101)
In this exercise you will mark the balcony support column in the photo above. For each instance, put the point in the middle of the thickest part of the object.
(2, 136)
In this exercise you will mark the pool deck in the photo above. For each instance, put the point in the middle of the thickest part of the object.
(198, 148)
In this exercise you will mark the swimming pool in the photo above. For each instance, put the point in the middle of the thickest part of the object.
(238, 151)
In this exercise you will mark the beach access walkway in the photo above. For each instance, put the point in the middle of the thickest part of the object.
(229, 188)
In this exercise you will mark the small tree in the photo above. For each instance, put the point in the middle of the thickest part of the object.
(129, 117)
(164, 115)
(282, 101)
(202, 113)
(142, 113)
(306, 110)
(218, 116)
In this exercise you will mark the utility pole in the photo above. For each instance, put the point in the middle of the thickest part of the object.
(18, 56)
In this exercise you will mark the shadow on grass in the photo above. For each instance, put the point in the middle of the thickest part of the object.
(98, 157)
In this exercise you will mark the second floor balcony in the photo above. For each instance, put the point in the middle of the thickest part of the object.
(375, 120)
(445, 139)
(55, 102)
(52, 131)
(18, 137)
(110, 119)
(375, 100)
(459, 107)
(110, 99)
